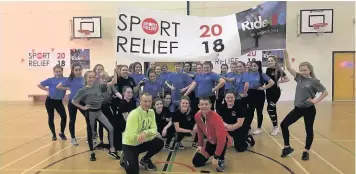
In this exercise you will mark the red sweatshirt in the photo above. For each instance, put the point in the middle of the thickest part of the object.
(214, 130)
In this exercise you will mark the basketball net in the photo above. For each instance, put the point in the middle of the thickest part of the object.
(84, 34)
(319, 27)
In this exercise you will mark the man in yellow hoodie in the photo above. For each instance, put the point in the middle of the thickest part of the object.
(140, 136)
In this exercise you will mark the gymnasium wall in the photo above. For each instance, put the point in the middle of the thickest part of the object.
(27, 25)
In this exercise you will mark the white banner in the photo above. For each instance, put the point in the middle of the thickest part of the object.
(147, 35)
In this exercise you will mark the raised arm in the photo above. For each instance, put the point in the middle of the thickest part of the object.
(288, 65)
(114, 79)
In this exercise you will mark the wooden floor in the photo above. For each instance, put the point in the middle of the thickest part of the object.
(26, 146)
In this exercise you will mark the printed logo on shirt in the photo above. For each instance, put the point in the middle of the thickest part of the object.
(233, 113)
(189, 118)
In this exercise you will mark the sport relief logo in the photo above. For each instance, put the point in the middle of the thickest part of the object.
(274, 20)
(150, 26)
(39, 59)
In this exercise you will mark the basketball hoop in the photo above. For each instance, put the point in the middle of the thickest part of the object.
(84, 34)
(319, 27)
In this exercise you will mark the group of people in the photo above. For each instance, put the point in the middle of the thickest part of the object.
(144, 112)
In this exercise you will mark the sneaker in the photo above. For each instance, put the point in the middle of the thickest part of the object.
(286, 151)
(194, 145)
(180, 145)
(221, 166)
(275, 131)
(99, 145)
(305, 156)
(122, 162)
(54, 138)
(74, 142)
(63, 137)
(251, 140)
(92, 157)
(148, 164)
(114, 155)
(257, 131)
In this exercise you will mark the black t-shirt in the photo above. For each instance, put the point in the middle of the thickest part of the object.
(230, 115)
(185, 120)
(121, 82)
(271, 72)
(162, 119)
(125, 106)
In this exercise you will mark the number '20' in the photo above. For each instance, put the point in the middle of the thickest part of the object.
(215, 30)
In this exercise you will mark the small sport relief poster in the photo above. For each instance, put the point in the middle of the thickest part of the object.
(80, 56)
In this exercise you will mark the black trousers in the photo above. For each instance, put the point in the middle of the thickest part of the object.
(272, 97)
(255, 101)
(72, 109)
(240, 137)
(57, 105)
(200, 158)
(293, 116)
(131, 154)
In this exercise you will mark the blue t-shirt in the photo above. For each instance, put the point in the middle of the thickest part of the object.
(137, 77)
(179, 81)
(240, 80)
(152, 88)
(206, 82)
(162, 78)
(74, 85)
(254, 80)
(52, 83)
(230, 85)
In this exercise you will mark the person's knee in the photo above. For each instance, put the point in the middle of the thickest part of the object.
(158, 142)
(199, 160)
(240, 147)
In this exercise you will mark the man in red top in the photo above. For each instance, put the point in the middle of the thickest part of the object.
(210, 123)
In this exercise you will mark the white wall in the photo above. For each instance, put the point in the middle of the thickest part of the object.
(307, 47)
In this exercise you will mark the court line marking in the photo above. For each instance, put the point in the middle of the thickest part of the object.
(18, 159)
(345, 112)
(315, 153)
(39, 163)
(295, 161)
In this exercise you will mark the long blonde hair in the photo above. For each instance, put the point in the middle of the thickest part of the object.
(310, 67)
(86, 76)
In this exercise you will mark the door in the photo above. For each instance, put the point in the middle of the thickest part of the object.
(343, 76)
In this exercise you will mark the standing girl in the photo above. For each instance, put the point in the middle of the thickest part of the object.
(164, 122)
(152, 85)
(221, 91)
(54, 101)
(304, 104)
(273, 93)
(256, 94)
(91, 96)
(74, 82)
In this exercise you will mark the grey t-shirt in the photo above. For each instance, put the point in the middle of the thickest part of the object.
(91, 96)
(306, 88)
(107, 95)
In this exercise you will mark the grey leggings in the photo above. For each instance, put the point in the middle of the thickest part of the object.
(99, 116)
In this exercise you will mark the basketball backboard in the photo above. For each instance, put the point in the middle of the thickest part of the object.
(91, 23)
(313, 16)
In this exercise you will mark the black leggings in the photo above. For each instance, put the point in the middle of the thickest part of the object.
(72, 109)
(57, 105)
(309, 117)
(200, 158)
(131, 154)
(170, 133)
(272, 96)
(241, 139)
(256, 101)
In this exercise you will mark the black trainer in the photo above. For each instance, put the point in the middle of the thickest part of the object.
(221, 166)
(62, 136)
(148, 164)
(180, 145)
(114, 155)
(194, 145)
(92, 157)
(122, 162)
(251, 140)
(54, 138)
(286, 151)
(305, 156)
